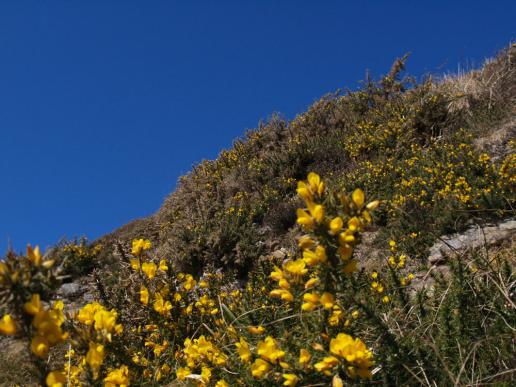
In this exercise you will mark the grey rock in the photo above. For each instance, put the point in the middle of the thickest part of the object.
(473, 238)
(280, 253)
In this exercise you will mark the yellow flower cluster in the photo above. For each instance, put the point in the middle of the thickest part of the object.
(220, 325)
(7, 325)
(140, 245)
(337, 235)
(102, 320)
(47, 324)
(353, 351)
(200, 354)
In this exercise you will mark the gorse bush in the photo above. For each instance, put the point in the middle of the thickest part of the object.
(313, 318)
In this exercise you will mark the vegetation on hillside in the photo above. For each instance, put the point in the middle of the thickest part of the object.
(193, 296)
(410, 145)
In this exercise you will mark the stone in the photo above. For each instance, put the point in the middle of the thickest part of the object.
(473, 238)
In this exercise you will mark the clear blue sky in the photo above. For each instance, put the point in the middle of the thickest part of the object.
(104, 104)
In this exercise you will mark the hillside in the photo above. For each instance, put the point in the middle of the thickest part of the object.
(384, 138)
(370, 240)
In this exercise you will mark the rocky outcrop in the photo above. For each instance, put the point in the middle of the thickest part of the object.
(473, 238)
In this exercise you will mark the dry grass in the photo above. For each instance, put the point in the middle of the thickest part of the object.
(15, 365)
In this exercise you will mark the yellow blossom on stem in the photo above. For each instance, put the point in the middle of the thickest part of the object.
(34, 255)
(316, 211)
(284, 284)
(135, 264)
(345, 252)
(140, 245)
(183, 372)
(296, 268)
(39, 346)
(269, 350)
(243, 350)
(311, 297)
(327, 300)
(311, 282)
(87, 313)
(56, 379)
(316, 185)
(161, 306)
(353, 351)
(7, 325)
(144, 295)
(308, 306)
(189, 282)
(337, 381)
(256, 330)
(259, 368)
(304, 219)
(335, 225)
(105, 321)
(304, 191)
(305, 242)
(163, 265)
(373, 205)
(149, 268)
(33, 307)
(290, 379)
(276, 274)
(117, 377)
(358, 198)
(95, 357)
(327, 363)
(284, 294)
(304, 356)
(315, 257)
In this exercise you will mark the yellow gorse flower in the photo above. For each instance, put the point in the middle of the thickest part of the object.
(256, 330)
(316, 185)
(33, 307)
(358, 198)
(259, 368)
(56, 379)
(269, 350)
(95, 357)
(161, 305)
(354, 352)
(315, 257)
(34, 255)
(290, 379)
(326, 363)
(335, 225)
(163, 265)
(296, 268)
(144, 295)
(304, 356)
(149, 268)
(7, 325)
(183, 372)
(117, 377)
(243, 350)
(140, 245)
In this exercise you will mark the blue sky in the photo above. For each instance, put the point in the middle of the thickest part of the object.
(104, 104)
